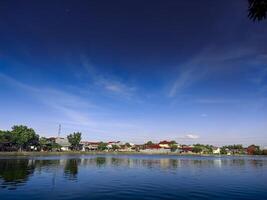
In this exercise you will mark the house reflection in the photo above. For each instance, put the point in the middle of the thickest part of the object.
(16, 172)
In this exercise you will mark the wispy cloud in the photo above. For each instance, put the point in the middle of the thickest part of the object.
(184, 79)
(74, 109)
(115, 87)
(107, 82)
(201, 66)
(191, 136)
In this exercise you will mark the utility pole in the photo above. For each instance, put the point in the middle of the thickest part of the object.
(59, 130)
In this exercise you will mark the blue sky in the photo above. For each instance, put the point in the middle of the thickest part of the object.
(135, 71)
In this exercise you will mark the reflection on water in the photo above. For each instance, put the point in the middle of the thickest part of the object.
(71, 168)
(112, 173)
(15, 172)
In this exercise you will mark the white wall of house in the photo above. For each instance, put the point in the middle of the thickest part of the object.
(216, 151)
(164, 145)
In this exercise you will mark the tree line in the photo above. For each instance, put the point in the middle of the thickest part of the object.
(23, 138)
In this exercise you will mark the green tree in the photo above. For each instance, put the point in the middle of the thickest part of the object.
(224, 150)
(115, 147)
(5, 136)
(174, 148)
(127, 144)
(23, 136)
(102, 146)
(149, 143)
(44, 143)
(173, 142)
(197, 149)
(55, 147)
(75, 139)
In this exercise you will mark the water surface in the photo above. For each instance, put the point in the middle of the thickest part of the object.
(133, 177)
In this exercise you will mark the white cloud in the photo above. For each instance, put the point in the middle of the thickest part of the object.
(190, 136)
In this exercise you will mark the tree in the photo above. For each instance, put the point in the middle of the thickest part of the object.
(174, 148)
(43, 142)
(149, 143)
(114, 147)
(55, 147)
(5, 136)
(127, 144)
(23, 136)
(197, 149)
(75, 139)
(224, 150)
(173, 142)
(257, 9)
(102, 146)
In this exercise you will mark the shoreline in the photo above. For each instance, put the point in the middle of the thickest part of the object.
(26, 154)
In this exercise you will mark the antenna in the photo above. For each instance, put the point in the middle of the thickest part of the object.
(59, 130)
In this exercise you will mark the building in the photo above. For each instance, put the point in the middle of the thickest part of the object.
(186, 149)
(113, 143)
(165, 144)
(89, 146)
(155, 148)
(216, 150)
(252, 149)
(64, 143)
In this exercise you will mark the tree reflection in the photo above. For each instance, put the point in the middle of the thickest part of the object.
(15, 172)
(100, 161)
(71, 169)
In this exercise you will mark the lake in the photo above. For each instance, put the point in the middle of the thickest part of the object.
(133, 177)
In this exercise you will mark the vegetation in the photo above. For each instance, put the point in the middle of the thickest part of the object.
(233, 149)
(201, 148)
(115, 147)
(173, 146)
(102, 146)
(127, 144)
(74, 140)
(149, 143)
(22, 138)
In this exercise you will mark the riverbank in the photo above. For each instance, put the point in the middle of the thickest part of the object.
(27, 154)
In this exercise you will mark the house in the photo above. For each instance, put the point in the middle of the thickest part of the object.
(89, 146)
(186, 149)
(155, 148)
(64, 143)
(252, 149)
(165, 144)
(125, 148)
(113, 143)
(216, 150)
